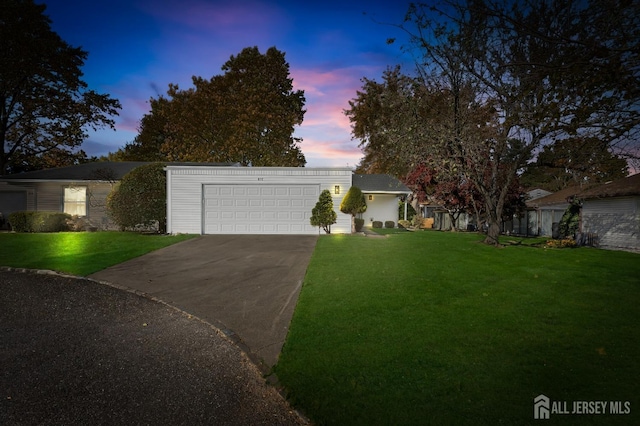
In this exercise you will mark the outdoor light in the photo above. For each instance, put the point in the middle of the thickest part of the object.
(370, 197)
(337, 189)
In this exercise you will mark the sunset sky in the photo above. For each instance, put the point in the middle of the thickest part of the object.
(137, 47)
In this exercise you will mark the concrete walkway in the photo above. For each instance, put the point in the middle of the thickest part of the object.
(247, 285)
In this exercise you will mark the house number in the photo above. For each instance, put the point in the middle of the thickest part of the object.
(260, 178)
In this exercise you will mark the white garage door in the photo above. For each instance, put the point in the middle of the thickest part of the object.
(259, 209)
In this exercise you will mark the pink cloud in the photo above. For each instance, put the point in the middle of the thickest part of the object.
(330, 153)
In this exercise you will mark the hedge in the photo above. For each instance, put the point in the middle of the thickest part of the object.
(377, 224)
(389, 224)
(39, 221)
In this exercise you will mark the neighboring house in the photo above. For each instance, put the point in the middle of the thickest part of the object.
(612, 212)
(437, 217)
(382, 193)
(79, 190)
(544, 212)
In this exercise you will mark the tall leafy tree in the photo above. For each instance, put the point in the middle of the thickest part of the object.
(147, 145)
(45, 106)
(245, 115)
(533, 71)
(572, 162)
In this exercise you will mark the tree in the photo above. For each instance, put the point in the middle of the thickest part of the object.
(353, 203)
(147, 145)
(140, 199)
(510, 78)
(45, 106)
(246, 115)
(323, 215)
(571, 162)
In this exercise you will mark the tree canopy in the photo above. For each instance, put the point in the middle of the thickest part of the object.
(246, 115)
(573, 162)
(46, 108)
(498, 80)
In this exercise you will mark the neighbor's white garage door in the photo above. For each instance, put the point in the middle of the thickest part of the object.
(259, 209)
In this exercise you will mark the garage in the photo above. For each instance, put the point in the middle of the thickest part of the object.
(204, 199)
(259, 209)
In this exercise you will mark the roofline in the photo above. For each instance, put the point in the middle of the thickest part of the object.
(378, 191)
(257, 168)
(57, 180)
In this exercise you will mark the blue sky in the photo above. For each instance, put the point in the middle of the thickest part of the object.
(137, 47)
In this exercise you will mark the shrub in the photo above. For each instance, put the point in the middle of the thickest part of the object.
(564, 243)
(404, 224)
(353, 203)
(377, 224)
(389, 224)
(359, 224)
(323, 215)
(139, 201)
(570, 222)
(39, 221)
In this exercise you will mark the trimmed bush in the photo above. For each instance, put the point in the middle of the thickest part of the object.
(39, 221)
(139, 201)
(377, 224)
(389, 224)
(353, 203)
(323, 215)
(359, 224)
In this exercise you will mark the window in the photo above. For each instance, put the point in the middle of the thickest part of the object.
(75, 200)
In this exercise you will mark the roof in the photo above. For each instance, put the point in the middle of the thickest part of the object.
(379, 184)
(560, 197)
(624, 187)
(537, 193)
(100, 170)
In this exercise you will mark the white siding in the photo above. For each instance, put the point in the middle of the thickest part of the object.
(382, 207)
(615, 220)
(186, 186)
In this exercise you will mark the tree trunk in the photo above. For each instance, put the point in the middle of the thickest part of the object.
(494, 213)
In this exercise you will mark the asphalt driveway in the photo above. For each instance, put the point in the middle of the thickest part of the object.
(246, 285)
(77, 352)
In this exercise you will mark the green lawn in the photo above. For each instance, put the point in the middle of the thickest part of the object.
(437, 328)
(78, 253)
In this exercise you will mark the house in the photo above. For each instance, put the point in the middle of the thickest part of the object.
(544, 212)
(612, 212)
(80, 190)
(381, 193)
(206, 198)
(269, 200)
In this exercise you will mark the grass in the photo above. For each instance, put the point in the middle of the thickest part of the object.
(436, 328)
(78, 253)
